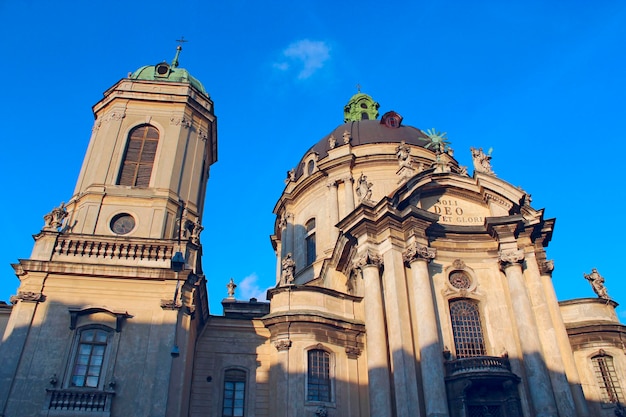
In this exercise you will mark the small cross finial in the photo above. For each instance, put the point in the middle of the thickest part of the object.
(178, 49)
(358, 88)
(181, 41)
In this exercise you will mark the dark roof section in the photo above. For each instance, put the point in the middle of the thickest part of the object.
(365, 132)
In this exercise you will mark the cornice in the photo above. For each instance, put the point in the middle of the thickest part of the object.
(308, 288)
(97, 270)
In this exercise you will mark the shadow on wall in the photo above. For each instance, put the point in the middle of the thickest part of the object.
(99, 363)
(93, 368)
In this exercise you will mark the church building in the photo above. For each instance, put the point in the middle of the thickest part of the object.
(406, 284)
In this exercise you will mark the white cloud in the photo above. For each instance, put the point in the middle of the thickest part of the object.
(249, 288)
(306, 55)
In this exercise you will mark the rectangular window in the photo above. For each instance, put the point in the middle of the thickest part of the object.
(89, 358)
(234, 393)
(318, 376)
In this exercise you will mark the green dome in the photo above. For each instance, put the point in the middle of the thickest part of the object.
(360, 107)
(166, 72)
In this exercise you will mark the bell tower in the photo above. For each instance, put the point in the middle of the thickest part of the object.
(112, 297)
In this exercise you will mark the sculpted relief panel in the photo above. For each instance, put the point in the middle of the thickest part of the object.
(456, 211)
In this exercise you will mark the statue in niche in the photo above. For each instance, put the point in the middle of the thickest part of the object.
(54, 219)
(403, 153)
(231, 289)
(597, 283)
(288, 269)
(363, 188)
(482, 161)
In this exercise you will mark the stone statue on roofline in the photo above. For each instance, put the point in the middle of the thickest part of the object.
(231, 289)
(597, 284)
(54, 219)
(482, 161)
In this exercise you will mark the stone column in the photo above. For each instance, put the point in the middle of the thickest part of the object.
(376, 336)
(400, 341)
(545, 327)
(429, 344)
(281, 387)
(333, 211)
(349, 193)
(571, 371)
(535, 368)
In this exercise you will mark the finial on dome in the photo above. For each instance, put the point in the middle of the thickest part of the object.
(178, 49)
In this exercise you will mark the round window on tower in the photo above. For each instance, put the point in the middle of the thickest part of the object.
(122, 224)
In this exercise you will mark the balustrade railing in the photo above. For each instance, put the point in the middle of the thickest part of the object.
(478, 364)
(104, 248)
(96, 401)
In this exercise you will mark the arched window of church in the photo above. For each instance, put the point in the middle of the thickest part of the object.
(139, 156)
(467, 328)
(364, 116)
(89, 358)
(310, 242)
(318, 376)
(234, 395)
(607, 379)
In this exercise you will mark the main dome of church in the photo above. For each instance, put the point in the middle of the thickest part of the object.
(362, 127)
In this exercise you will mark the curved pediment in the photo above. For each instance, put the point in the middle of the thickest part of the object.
(460, 200)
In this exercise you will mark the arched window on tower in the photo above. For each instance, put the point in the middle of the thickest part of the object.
(467, 328)
(310, 242)
(607, 379)
(89, 357)
(139, 156)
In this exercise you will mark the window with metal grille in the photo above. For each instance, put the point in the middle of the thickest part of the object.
(318, 376)
(139, 156)
(467, 328)
(234, 393)
(607, 379)
(89, 358)
(310, 242)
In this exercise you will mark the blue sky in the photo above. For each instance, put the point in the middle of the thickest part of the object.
(541, 82)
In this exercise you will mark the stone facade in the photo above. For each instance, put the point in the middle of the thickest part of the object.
(404, 286)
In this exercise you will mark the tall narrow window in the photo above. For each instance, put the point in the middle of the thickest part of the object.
(234, 393)
(310, 242)
(607, 379)
(467, 329)
(318, 376)
(139, 156)
(89, 358)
